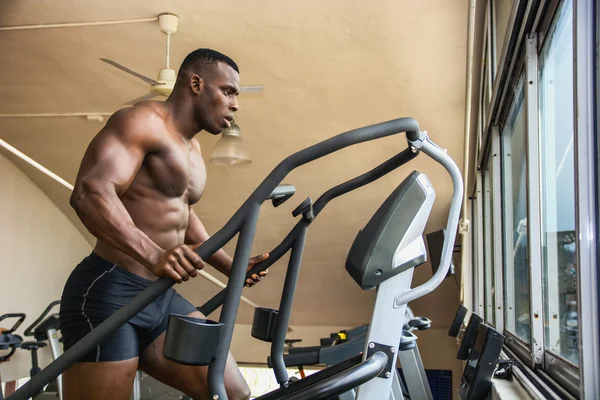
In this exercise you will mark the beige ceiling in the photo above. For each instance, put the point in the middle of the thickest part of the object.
(327, 67)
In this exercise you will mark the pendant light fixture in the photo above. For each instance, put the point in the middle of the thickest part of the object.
(230, 149)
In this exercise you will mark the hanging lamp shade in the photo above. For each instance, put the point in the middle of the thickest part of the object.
(230, 149)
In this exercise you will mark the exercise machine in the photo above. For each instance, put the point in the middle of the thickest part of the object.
(9, 341)
(480, 347)
(344, 344)
(456, 325)
(382, 257)
(45, 329)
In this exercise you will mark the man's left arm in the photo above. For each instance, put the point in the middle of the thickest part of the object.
(196, 234)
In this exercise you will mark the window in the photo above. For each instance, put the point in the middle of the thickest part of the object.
(488, 231)
(514, 198)
(558, 190)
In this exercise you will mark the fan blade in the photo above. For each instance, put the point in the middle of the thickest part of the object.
(129, 71)
(148, 96)
(251, 88)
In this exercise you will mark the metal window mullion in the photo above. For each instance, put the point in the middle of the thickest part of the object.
(534, 233)
(497, 225)
(480, 258)
(586, 198)
(488, 245)
(467, 261)
(549, 212)
(509, 266)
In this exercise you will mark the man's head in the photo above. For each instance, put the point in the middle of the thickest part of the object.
(212, 81)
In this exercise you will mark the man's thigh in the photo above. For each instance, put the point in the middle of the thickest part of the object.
(100, 380)
(191, 380)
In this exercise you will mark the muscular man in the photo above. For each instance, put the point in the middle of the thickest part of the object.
(134, 192)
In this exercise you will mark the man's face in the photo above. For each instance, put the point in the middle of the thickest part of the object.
(217, 101)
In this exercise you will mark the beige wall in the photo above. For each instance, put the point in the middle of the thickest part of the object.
(39, 248)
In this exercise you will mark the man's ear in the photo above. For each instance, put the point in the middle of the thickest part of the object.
(196, 83)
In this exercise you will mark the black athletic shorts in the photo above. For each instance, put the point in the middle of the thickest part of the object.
(94, 291)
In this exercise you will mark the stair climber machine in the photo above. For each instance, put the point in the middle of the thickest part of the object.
(383, 257)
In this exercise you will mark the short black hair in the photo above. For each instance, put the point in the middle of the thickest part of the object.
(206, 57)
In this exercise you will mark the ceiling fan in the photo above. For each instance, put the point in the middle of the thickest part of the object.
(163, 86)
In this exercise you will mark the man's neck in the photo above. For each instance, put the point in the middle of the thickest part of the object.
(182, 117)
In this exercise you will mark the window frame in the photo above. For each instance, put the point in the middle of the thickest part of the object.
(480, 299)
(586, 197)
(525, 38)
(534, 228)
(488, 265)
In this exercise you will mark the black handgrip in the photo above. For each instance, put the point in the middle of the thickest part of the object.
(31, 328)
(21, 318)
(281, 194)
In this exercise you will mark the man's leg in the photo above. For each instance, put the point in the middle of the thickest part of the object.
(189, 379)
(100, 380)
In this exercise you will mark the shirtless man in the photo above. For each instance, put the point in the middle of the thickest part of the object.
(134, 192)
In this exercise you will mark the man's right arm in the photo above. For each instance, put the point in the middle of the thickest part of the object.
(107, 170)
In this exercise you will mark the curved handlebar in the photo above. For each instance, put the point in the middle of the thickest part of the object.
(31, 328)
(21, 318)
(423, 143)
(336, 384)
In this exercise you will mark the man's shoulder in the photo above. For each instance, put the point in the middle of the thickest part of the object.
(143, 120)
(144, 114)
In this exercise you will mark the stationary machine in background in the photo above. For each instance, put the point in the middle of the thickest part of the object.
(468, 337)
(45, 332)
(345, 344)
(9, 342)
(383, 257)
(457, 322)
(480, 346)
(481, 364)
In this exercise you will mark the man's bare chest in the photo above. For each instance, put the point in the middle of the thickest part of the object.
(177, 171)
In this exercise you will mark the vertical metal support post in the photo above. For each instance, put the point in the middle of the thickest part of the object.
(586, 194)
(285, 307)
(508, 239)
(488, 222)
(480, 305)
(414, 374)
(216, 369)
(497, 233)
(386, 328)
(534, 205)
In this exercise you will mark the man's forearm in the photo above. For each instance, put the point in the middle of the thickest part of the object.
(105, 216)
(221, 261)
